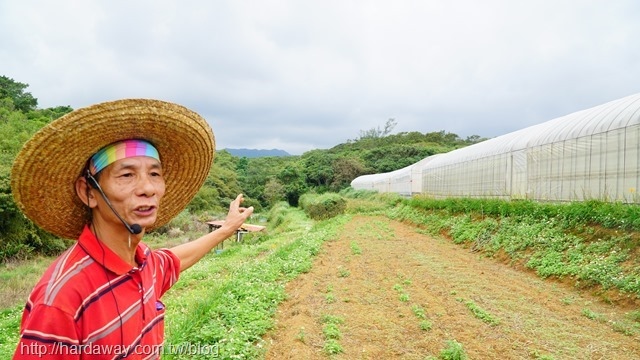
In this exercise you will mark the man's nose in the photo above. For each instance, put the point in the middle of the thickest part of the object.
(147, 186)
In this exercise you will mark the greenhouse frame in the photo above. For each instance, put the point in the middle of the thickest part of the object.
(589, 154)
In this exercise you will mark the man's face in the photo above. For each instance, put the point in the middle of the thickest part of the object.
(134, 186)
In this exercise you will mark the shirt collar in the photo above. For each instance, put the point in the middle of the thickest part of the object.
(106, 257)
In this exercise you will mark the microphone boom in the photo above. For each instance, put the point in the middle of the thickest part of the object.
(134, 229)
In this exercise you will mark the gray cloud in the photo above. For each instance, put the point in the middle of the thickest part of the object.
(299, 75)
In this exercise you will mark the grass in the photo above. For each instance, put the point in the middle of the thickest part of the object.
(481, 314)
(594, 244)
(229, 299)
(9, 327)
(226, 300)
(18, 278)
(244, 285)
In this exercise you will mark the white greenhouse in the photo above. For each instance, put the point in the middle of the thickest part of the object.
(590, 154)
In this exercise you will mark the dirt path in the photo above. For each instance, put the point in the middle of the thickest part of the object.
(392, 293)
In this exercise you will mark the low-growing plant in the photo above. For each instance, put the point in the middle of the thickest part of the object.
(331, 331)
(331, 319)
(563, 240)
(302, 336)
(453, 351)
(589, 314)
(343, 273)
(355, 248)
(419, 312)
(481, 313)
(332, 347)
(425, 325)
(332, 334)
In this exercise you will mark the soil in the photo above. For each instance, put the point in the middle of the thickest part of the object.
(399, 294)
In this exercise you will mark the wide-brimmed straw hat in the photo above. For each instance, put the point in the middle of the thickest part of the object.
(44, 172)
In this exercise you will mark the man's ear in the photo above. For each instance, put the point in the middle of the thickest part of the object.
(83, 190)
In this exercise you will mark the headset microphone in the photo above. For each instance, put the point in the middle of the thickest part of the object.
(134, 229)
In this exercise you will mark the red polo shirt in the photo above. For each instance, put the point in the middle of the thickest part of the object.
(92, 304)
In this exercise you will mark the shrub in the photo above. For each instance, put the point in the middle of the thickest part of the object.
(325, 206)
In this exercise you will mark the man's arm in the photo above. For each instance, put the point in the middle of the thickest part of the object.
(191, 252)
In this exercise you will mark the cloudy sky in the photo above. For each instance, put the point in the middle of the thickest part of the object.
(300, 75)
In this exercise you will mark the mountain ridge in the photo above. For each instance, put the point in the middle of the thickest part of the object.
(253, 153)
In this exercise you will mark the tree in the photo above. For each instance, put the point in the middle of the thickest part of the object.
(376, 133)
(317, 168)
(273, 191)
(474, 139)
(257, 173)
(294, 185)
(19, 237)
(22, 101)
(345, 170)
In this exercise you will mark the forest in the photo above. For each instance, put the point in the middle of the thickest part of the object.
(264, 181)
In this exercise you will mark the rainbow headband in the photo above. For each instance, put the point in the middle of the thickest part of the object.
(121, 150)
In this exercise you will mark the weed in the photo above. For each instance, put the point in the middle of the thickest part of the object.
(623, 328)
(331, 319)
(332, 334)
(355, 249)
(425, 325)
(453, 351)
(592, 315)
(536, 355)
(331, 331)
(580, 240)
(419, 312)
(302, 336)
(634, 315)
(343, 273)
(330, 298)
(567, 300)
(481, 313)
(332, 347)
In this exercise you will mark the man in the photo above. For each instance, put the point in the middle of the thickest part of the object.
(105, 175)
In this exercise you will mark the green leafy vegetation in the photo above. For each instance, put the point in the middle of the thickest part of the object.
(244, 284)
(453, 351)
(577, 241)
(332, 334)
(9, 328)
(324, 206)
(481, 314)
(355, 248)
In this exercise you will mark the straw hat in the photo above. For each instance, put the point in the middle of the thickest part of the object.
(45, 170)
